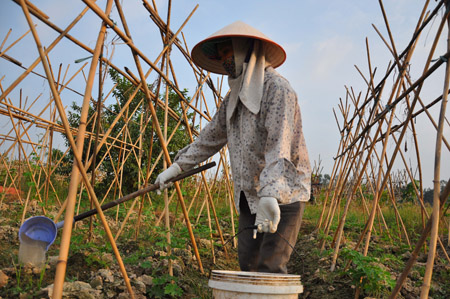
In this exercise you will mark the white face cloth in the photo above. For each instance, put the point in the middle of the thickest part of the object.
(249, 83)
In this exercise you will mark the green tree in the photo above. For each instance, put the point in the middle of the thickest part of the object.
(65, 166)
(122, 92)
(409, 193)
(428, 193)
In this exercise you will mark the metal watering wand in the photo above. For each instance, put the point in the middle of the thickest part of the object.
(43, 229)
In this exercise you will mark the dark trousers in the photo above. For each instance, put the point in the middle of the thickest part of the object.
(268, 252)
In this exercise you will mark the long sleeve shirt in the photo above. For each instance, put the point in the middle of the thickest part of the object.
(268, 154)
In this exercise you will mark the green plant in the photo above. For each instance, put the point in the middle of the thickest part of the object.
(41, 276)
(93, 259)
(26, 283)
(165, 285)
(366, 273)
(321, 236)
(18, 270)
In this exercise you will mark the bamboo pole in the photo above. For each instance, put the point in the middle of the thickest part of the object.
(22, 150)
(97, 133)
(75, 175)
(422, 27)
(382, 182)
(68, 221)
(417, 84)
(158, 128)
(138, 53)
(103, 58)
(337, 245)
(49, 157)
(344, 174)
(205, 183)
(4, 41)
(211, 241)
(437, 169)
(38, 60)
(12, 44)
(59, 279)
(166, 119)
(401, 280)
(410, 109)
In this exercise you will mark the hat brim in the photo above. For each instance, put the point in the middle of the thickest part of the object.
(275, 54)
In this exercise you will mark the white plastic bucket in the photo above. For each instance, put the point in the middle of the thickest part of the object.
(240, 284)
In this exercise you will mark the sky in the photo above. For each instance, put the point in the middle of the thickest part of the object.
(324, 40)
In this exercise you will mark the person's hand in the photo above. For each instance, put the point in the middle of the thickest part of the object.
(165, 176)
(267, 216)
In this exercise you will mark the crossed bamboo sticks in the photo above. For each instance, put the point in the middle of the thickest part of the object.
(359, 158)
(363, 158)
(99, 63)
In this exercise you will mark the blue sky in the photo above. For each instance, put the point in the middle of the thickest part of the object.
(324, 40)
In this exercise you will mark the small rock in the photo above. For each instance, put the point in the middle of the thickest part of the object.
(76, 289)
(132, 275)
(107, 258)
(37, 270)
(406, 255)
(97, 282)
(146, 279)
(186, 255)
(110, 294)
(224, 223)
(106, 274)
(160, 253)
(53, 260)
(204, 243)
(177, 269)
(126, 295)
(194, 264)
(422, 258)
(28, 268)
(123, 296)
(3, 279)
(140, 286)
(176, 266)
(9, 233)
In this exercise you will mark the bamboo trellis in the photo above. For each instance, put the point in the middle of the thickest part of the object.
(373, 130)
(19, 145)
(372, 135)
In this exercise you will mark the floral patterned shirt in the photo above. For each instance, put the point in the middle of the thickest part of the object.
(268, 154)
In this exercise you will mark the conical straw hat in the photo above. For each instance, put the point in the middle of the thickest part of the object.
(275, 54)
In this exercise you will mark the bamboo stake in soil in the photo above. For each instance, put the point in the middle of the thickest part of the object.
(401, 280)
(62, 262)
(159, 133)
(437, 169)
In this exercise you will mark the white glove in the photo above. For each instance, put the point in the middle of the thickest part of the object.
(267, 216)
(166, 176)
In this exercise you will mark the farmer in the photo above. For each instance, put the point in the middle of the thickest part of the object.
(260, 121)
